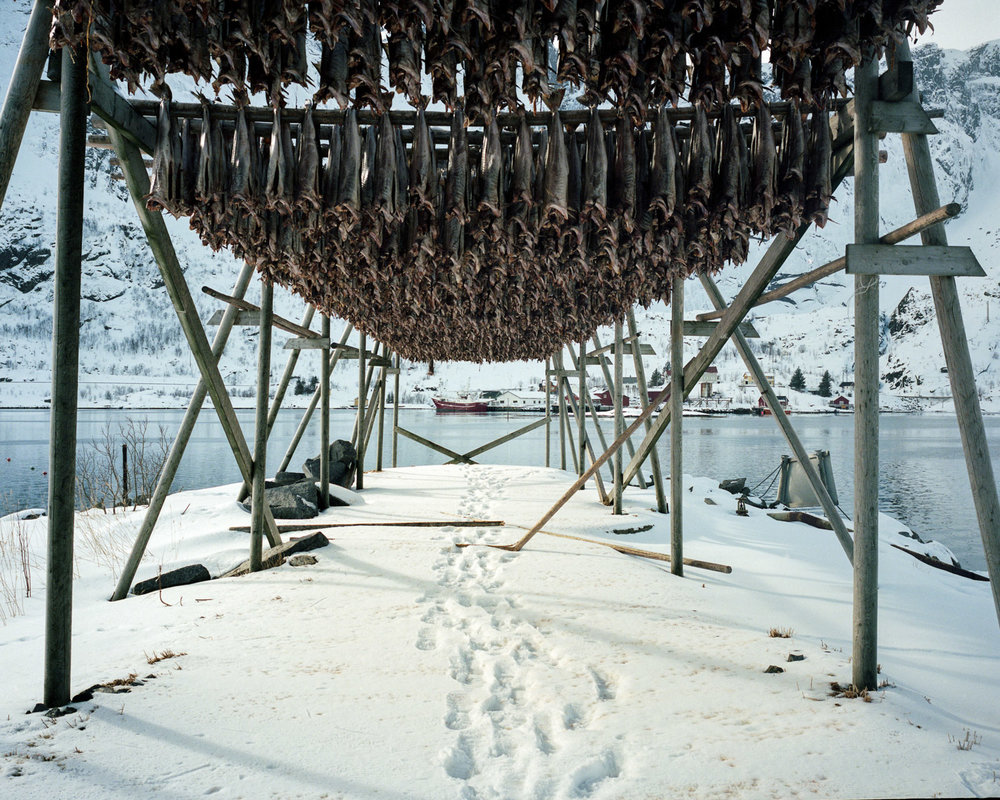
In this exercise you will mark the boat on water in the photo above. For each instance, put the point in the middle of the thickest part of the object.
(461, 406)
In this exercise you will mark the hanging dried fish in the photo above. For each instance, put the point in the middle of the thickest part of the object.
(456, 187)
(164, 181)
(307, 174)
(349, 194)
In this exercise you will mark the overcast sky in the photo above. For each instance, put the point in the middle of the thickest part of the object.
(962, 24)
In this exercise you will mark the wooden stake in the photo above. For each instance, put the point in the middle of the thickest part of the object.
(381, 416)
(956, 351)
(676, 426)
(548, 416)
(258, 502)
(65, 375)
(170, 466)
(22, 89)
(459, 523)
(581, 423)
(866, 385)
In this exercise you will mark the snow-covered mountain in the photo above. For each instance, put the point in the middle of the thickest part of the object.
(133, 351)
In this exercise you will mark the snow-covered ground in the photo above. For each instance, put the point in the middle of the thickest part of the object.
(400, 666)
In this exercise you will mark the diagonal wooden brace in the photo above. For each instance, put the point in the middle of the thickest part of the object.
(173, 277)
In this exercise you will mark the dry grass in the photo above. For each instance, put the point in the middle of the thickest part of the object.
(780, 633)
(850, 692)
(967, 742)
(16, 566)
(163, 655)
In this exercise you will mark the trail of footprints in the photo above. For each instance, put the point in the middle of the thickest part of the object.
(517, 708)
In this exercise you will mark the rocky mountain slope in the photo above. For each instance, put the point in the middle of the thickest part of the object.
(133, 352)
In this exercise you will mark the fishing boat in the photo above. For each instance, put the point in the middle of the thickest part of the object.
(461, 406)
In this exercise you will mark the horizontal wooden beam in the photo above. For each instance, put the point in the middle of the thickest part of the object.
(918, 259)
(906, 116)
(279, 322)
(245, 319)
(306, 343)
(698, 327)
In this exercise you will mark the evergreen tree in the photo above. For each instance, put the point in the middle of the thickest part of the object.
(656, 379)
(798, 381)
(825, 384)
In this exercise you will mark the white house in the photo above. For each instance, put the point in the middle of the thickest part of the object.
(523, 400)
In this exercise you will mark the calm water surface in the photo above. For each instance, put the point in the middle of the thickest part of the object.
(923, 477)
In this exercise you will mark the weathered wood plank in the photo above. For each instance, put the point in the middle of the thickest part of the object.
(115, 110)
(696, 327)
(936, 260)
(242, 319)
(302, 343)
(675, 404)
(901, 117)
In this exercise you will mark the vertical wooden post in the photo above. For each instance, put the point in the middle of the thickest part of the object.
(381, 414)
(324, 418)
(619, 418)
(170, 466)
(333, 358)
(866, 384)
(610, 381)
(22, 89)
(548, 415)
(917, 152)
(124, 474)
(279, 393)
(362, 389)
(640, 377)
(65, 376)
(395, 412)
(581, 422)
(676, 427)
(257, 500)
(558, 361)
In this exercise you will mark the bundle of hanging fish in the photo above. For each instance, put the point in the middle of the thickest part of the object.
(634, 53)
(510, 241)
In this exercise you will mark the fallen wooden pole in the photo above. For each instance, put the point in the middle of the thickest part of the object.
(918, 225)
(635, 551)
(458, 523)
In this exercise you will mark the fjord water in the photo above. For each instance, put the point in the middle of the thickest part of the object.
(923, 477)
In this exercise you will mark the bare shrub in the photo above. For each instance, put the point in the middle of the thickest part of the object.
(780, 633)
(101, 481)
(16, 564)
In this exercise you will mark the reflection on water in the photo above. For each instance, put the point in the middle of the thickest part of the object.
(923, 479)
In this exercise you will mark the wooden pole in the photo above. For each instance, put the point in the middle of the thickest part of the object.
(576, 406)
(22, 89)
(362, 389)
(581, 423)
(901, 234)
(279, 393)
(676, 426)
(829, 507)
(381, 416)
(333, 358)
(866, 384)
(558, 362)
(619, 417)
(779, 251)
(548, 415)
(956, 352)
(640, 376)
(324, 418)
(258, 501)
(173, 460)
(65, 375)
(610, 381)
(162, 248)
(395, 411)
